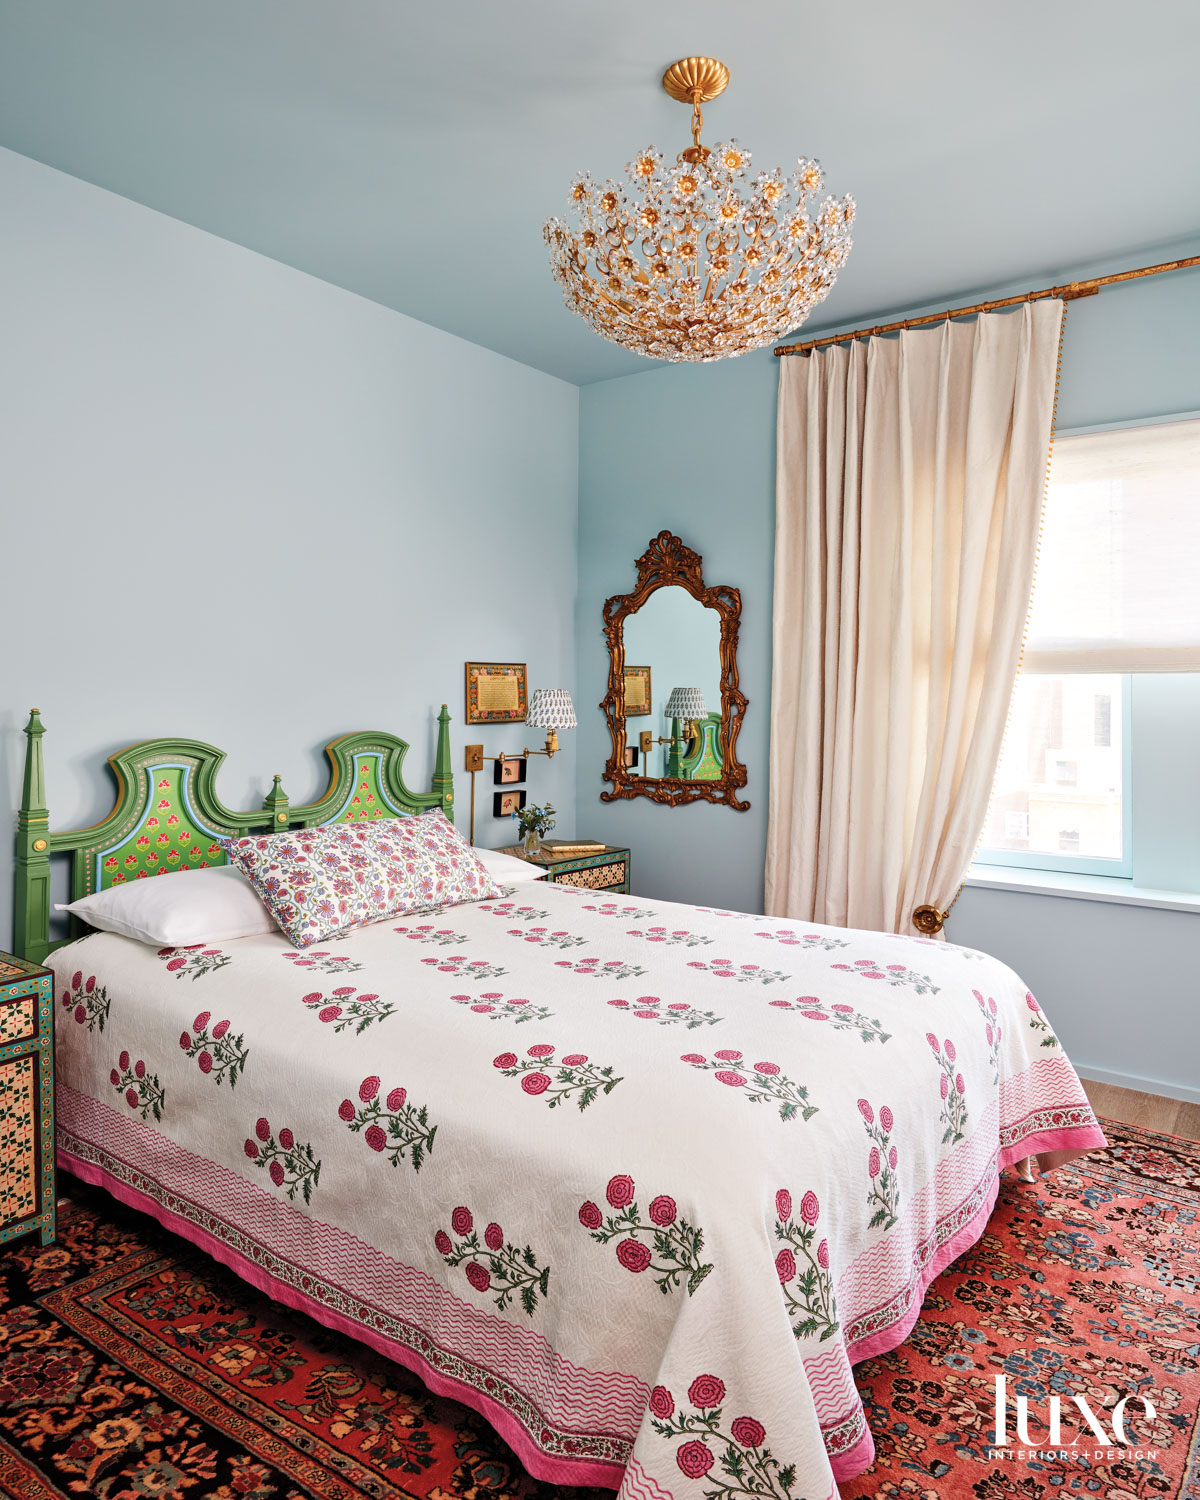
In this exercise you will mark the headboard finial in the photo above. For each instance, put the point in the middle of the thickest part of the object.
(31, 907)
(443, 775)
(33, 796)
(276, 804)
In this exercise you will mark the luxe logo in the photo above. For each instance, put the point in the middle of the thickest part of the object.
(1053, 1438)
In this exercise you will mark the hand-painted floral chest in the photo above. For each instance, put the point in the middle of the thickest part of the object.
(26, 1099)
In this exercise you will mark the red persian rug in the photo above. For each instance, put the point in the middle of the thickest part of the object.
(132, 1366)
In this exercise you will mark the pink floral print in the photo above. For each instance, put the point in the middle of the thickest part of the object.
(812, 941)
(991, 1031)
(547, 938)
(837, 1017)
(465, 968)
(595, 968)
(426, 932)
(322, 962)
(669, 1247)
(899, 974)
(677, 1013)
(953, 1090)
(745, 1465)
(803, 1267)
(622, 913)
(193, 961)
(289, 1164)
(139, 1088)
(725, 968)
(218, 1052)
(87, 1001)
(513, 912)
(883, 1197)
(318, 882)
(574, 1076)
(1039, 1022)
(491, 1264)
(760, 1083)
(497, 1008)
(396, 1128)
(346, 1007)
(670, 936)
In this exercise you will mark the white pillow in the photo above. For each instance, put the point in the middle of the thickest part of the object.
(210, 906)
(504, 867)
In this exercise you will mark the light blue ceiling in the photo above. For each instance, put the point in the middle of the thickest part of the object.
(410, 152)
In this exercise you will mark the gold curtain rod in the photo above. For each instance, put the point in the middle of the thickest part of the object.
(1068, 293)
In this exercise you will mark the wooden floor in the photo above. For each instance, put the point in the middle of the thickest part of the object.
(1151, 1111)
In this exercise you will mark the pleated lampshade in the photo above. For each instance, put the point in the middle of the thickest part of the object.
(685, 703)
(551, 708)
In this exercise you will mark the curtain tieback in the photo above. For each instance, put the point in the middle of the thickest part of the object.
(928, 919)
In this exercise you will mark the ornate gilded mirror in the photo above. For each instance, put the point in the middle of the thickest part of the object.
(673, 705)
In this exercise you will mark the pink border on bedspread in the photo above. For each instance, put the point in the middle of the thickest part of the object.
(539, 1463)
(1053, 1146)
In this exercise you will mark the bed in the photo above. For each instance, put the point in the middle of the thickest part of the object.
(639, 1182)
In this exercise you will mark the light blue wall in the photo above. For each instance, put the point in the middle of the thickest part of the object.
(680, 640)
(693, 449)
(242, 505)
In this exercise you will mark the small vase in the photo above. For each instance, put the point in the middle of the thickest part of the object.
(531, 843)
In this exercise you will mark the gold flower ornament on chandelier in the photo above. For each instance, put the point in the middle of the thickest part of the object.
(698, 261)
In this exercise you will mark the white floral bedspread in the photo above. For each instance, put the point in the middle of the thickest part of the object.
(638, 1181)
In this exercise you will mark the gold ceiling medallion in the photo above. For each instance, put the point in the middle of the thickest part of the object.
(692, 76)
(698, 261)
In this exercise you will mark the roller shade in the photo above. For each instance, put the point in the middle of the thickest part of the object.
(1118, 578)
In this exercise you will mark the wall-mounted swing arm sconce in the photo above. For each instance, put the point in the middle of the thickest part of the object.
(550, 709)
(685, 706)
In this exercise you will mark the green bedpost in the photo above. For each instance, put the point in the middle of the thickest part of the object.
(276, 805)
(443, 776)
(31, 915)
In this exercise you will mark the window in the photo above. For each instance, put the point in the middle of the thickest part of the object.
(1056, 790)
(1102, 719)
(1106, 710)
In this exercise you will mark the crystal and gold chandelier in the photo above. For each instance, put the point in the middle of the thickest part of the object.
(698, 261)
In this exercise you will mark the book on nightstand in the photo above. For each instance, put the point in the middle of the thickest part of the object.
(561, 848)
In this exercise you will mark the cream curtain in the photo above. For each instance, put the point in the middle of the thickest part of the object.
(910, 478)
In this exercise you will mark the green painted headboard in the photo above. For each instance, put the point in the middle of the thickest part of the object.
(167, 816)
(704, 763)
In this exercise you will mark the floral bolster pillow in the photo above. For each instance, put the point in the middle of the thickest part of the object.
(317, 882)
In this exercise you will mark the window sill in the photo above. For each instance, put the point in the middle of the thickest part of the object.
(1077, 887)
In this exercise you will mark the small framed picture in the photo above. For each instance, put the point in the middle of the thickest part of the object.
(497, 692)
(631, 757)
(509, 770)
(504, 804)
(638, 699)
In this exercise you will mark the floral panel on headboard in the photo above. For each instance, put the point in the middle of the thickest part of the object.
(368, 800)
(169, 837)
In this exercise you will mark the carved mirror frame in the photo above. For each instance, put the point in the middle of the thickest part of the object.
(665, 562)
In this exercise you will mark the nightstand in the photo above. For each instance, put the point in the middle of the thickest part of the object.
(607, 870)
(26, 1099)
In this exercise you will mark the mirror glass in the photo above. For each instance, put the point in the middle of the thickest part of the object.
(673, 688)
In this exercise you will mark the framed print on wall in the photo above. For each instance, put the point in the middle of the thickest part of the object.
(510, 770)
(637, 692)
(504, 804)
(497, 692)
